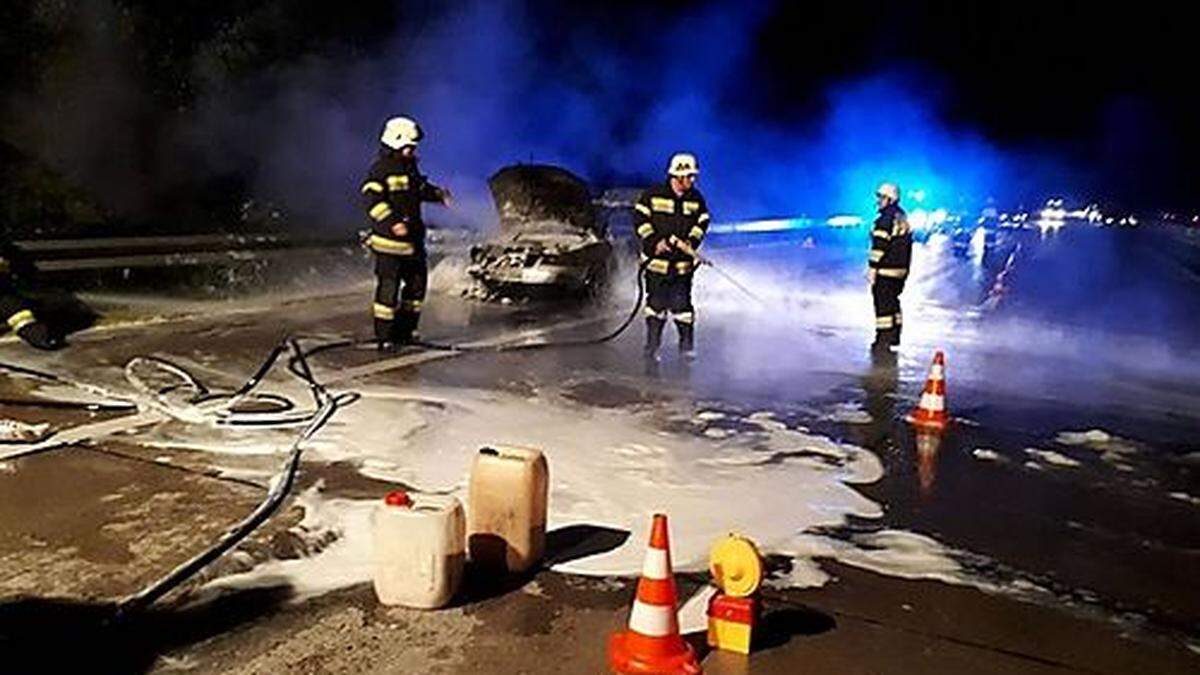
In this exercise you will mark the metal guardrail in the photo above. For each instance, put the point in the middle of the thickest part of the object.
(72, 255)
(167, 259)
(54, 245)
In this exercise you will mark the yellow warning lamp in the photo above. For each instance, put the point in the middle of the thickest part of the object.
(737, 570)
(736, 566)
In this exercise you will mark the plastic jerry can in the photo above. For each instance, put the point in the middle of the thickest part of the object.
(418, 549)
(507, 508)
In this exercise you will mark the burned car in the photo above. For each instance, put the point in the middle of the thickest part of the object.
(552, 240)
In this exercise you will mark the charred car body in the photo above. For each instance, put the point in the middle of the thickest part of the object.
(553, 239)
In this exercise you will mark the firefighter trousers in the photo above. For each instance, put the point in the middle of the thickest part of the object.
(888, 318)
(669, 295)
(405, 278)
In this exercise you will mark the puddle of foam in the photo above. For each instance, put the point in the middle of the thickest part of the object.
(849, 413)
(344, 562)
(1093, 437)
(607, 467)
(898, 553)
(72, 394)
(807, 573)
(1113, 450)
(13, 431)
(231, 445)
(613, 468)
(261, 476)
(986, 455)
(693, 614)
(766, 420)
(377, 469)
(1053, 458)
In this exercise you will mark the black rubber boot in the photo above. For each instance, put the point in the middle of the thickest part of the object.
(404, 328)
(39, 335)
(883, 359)
(687, 340)
(882, 343)
(383, 330)
(654, 333)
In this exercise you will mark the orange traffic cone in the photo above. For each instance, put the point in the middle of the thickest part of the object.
(653, 644)
(931, 413)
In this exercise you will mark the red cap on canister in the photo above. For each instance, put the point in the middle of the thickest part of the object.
(397, 498)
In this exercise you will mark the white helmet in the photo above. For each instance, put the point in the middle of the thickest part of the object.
(889, 190)
(401, 131)
(683, 164)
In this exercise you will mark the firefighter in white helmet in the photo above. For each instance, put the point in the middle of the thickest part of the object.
(888, 265)
(392, 196)
(671, 220)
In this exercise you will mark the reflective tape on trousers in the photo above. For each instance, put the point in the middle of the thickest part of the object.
(383, 312)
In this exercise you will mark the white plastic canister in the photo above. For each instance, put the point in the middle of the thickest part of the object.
(418, 549)
(507, 508)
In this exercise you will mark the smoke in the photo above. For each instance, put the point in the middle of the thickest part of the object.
(84, 120)
(500, 82)
(616, 112)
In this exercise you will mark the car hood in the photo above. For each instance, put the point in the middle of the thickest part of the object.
(540, 199)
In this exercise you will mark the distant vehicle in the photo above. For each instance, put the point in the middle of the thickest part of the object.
(552, 238)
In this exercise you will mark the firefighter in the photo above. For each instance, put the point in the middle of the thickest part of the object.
(672, 219)
(15, 311)
(392, 195)
(890, 258)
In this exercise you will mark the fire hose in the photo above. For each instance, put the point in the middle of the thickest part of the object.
(220, 409)
(701, 260)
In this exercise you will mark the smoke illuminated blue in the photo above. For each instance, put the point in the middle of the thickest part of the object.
(495, 100)
(496, 82)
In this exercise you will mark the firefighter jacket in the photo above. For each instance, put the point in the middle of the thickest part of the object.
(891, 243)
(392, 193)
(661, 215)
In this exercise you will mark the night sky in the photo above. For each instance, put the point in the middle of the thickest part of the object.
(146, 112)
